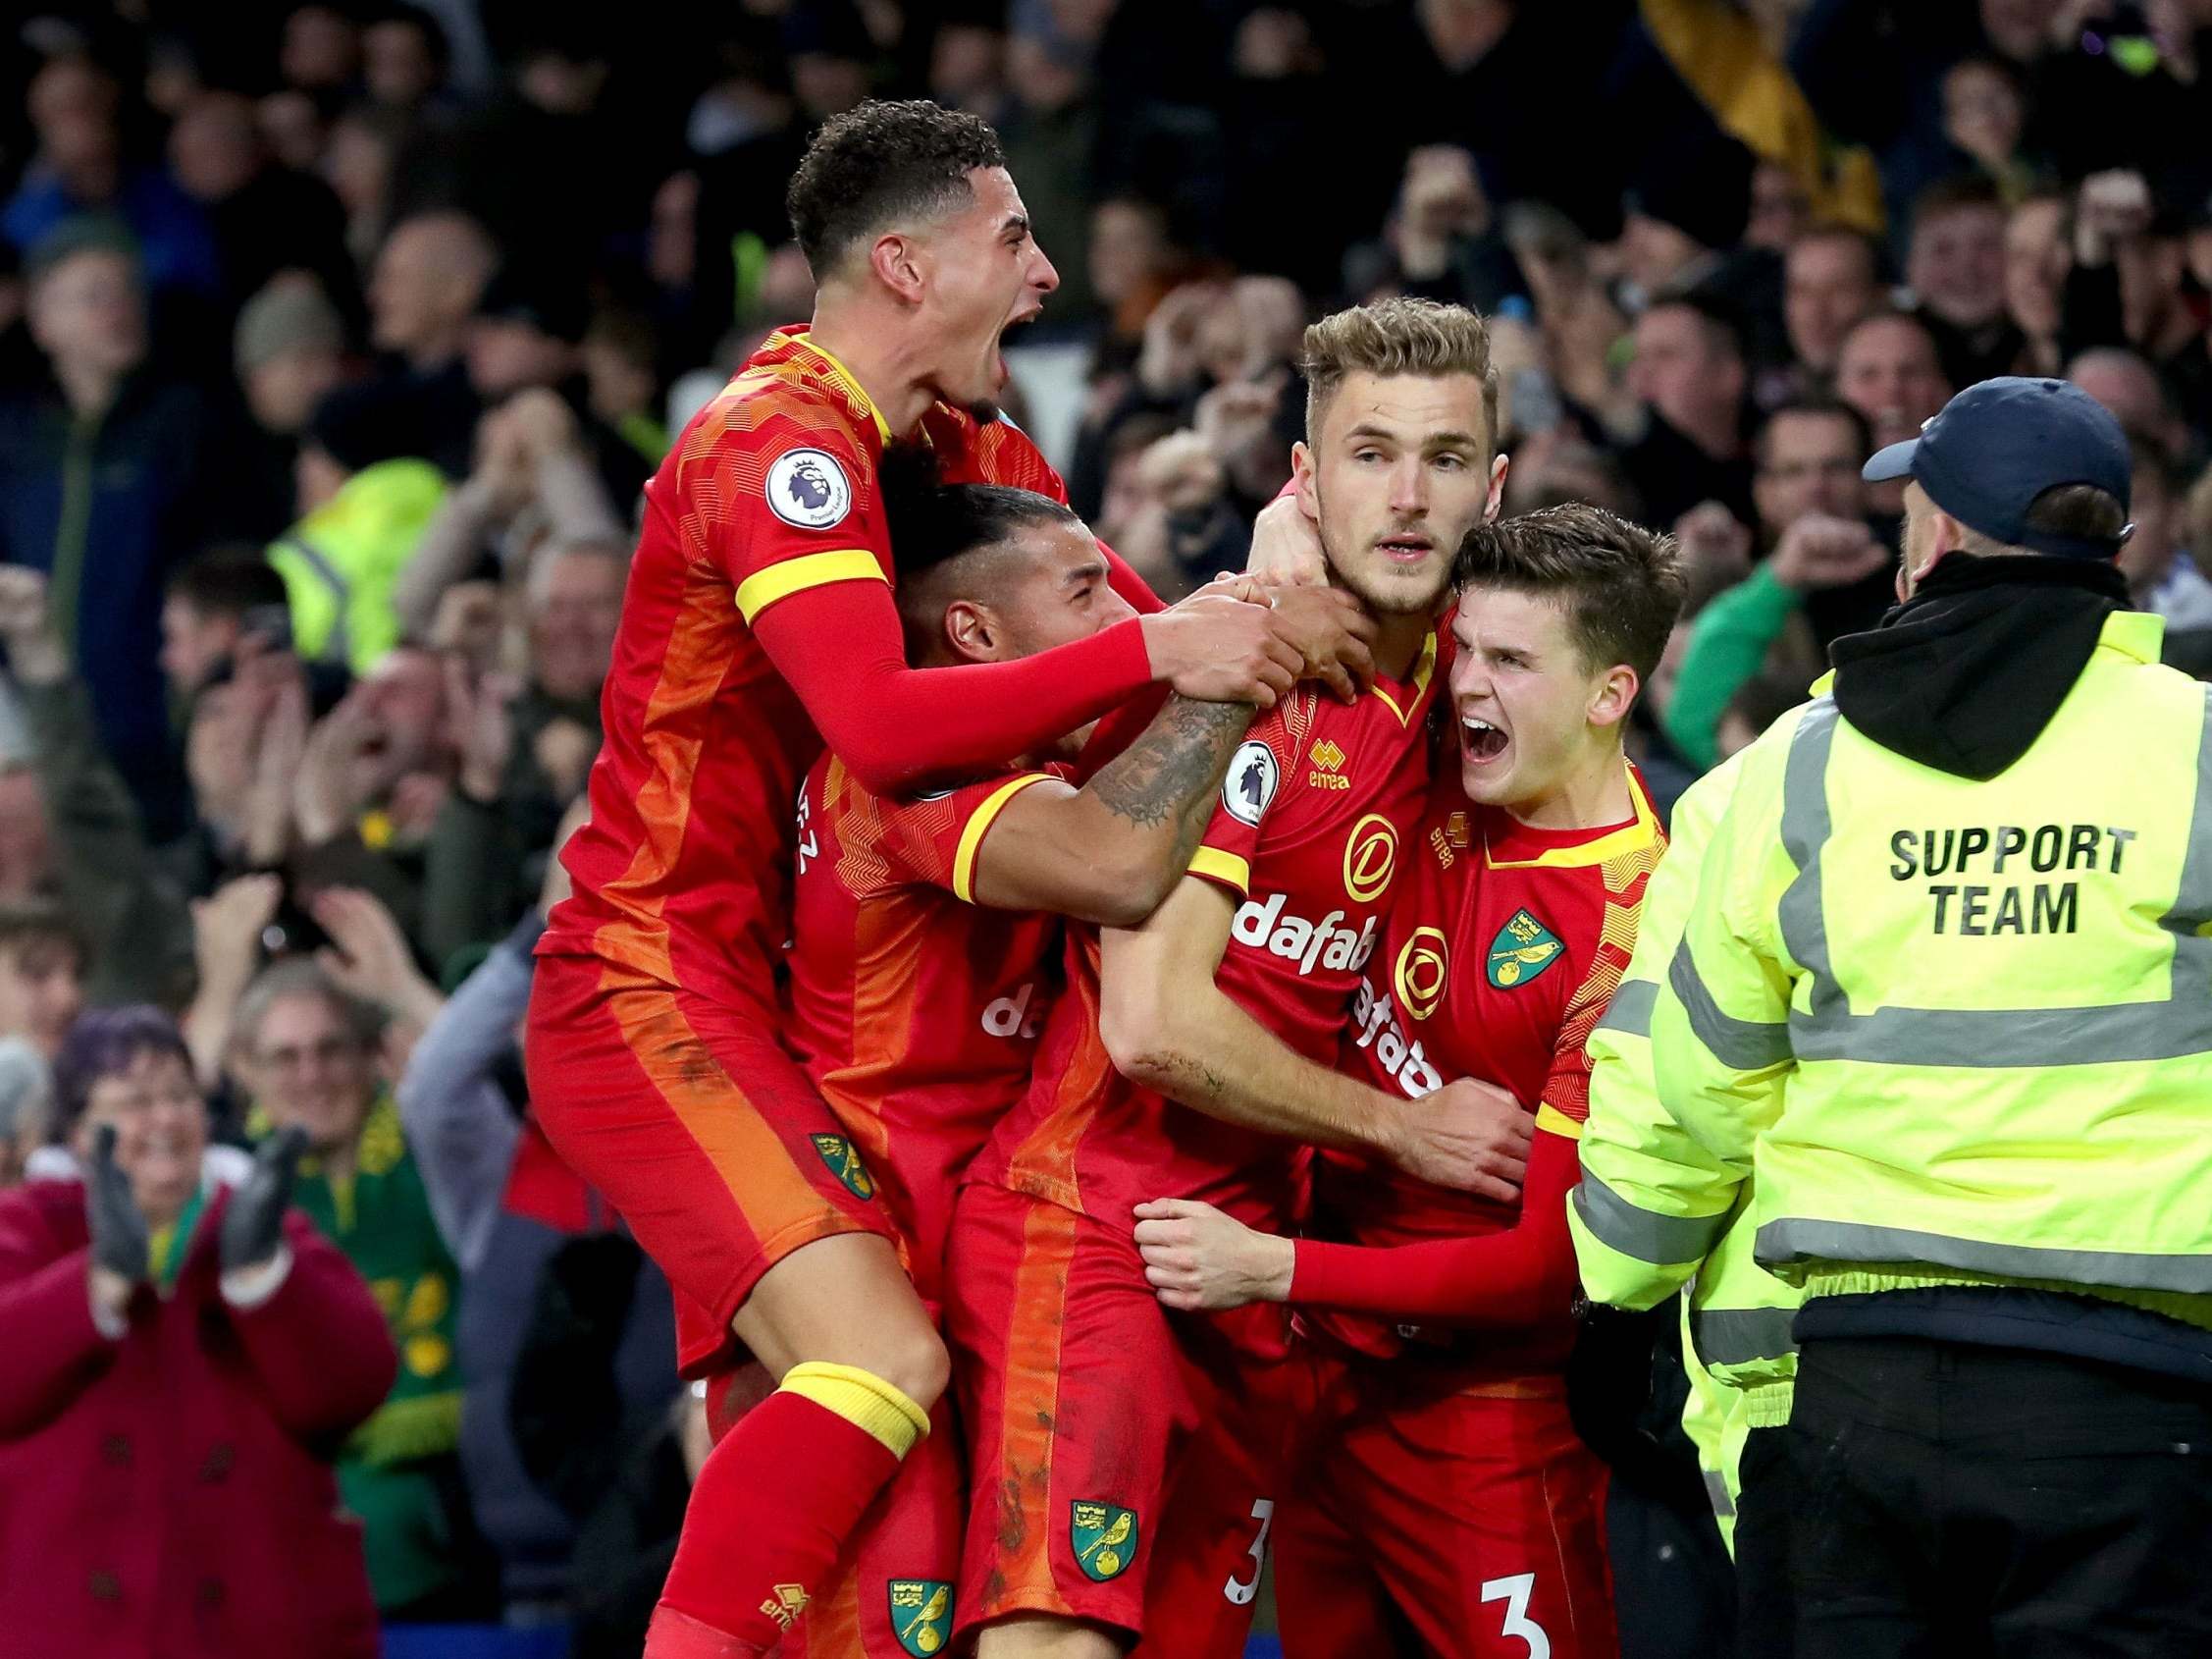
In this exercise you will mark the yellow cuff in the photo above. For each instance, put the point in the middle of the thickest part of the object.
(1223, 867)
(863, 1399)
(972, 832)
(1549, 1116)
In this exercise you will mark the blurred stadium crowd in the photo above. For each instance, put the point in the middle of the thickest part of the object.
(338, 339)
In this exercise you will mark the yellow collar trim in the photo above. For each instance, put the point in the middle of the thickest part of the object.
(845, 378)
(1424, 668)
(1628, 838)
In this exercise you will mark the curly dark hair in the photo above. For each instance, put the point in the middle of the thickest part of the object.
(884, 162)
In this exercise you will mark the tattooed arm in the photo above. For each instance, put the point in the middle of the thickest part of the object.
(1110, 851)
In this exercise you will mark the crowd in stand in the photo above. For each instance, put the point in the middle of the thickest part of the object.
(337, 343)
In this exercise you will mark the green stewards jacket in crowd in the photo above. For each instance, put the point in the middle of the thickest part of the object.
(1736, 1317)
(341, 562)
(1950, 1032)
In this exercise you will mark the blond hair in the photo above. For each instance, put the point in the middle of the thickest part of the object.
(1396, 336)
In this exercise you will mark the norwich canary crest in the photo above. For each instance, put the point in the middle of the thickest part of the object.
(844, 1163)
(921, 1614)
(1523, 949)
(1105, 1539)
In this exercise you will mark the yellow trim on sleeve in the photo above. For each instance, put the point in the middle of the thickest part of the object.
(764, 588)
(1224, 867)
(972, 832)
(1549, 1116)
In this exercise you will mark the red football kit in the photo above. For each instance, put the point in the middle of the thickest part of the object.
(916, 1013)
(1441, 1487)
(757, 611)
(1080, 1392)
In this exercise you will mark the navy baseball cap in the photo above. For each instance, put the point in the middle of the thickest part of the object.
(1989, 451)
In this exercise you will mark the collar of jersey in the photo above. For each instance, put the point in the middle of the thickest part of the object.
(1615, 843)
(1415, 684)
(798, 335)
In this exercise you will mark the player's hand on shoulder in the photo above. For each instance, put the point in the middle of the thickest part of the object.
(1198, 1259)
(1470, 1136)
(1222, 649)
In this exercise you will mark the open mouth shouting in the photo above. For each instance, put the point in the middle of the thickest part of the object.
(1009, 331)
(1480, 743)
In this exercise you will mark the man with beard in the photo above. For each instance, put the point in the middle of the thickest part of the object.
(1442, 1487)
(1194, 1053)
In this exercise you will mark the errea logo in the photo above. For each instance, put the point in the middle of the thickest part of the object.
(1328, 761)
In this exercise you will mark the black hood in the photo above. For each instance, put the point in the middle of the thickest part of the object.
(1964, 676)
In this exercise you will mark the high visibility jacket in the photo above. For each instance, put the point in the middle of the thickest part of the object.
(341, 562)
(1736, 1339)
(1959, 1032)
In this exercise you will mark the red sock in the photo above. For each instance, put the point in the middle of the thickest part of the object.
(773, 1506)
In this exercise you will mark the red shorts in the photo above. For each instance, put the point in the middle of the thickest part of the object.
(698, 1128)
(1431, 1514)
(1228, 1483)
(1081, 1394)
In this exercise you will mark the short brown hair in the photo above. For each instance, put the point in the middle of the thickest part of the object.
(39, 923)
(1396, 336)
(1622, 585)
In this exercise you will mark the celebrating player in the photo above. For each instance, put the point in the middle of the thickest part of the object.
(759, 614)
(1230, 999)
(927, 939)
(1444, 1490)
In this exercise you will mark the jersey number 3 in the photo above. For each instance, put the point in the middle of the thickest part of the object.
(1238, 1590)
(1515, 1593)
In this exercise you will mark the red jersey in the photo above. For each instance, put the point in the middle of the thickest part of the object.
(1315, 813)
(682, 869)
(1503, 948)
(915, 1010)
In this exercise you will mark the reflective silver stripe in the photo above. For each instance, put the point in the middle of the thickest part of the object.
(1738, 1045)
(2179, 1024)
(1717, 1490)
(1644, 1234)
(1806, 827)
(336, 647)
(1794, 1239)
(1736, 1336)
(1631, 1010)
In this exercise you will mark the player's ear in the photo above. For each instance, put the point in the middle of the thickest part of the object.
(896, 260)
(973, 632)
(1309, 487)
(1614, 696)
(1498, 466)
